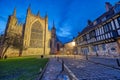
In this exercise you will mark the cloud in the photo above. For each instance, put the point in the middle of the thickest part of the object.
(64, 31)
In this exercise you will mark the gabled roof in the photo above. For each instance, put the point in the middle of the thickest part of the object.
(99, 20)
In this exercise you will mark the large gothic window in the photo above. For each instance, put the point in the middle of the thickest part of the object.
(36, 40)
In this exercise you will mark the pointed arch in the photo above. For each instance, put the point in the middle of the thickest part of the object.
(36, 38)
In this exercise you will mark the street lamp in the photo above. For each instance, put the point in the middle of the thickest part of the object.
(73, 45)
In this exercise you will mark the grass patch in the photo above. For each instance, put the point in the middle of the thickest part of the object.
(23, 68)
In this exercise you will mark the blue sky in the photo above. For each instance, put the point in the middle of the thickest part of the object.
(70, 16)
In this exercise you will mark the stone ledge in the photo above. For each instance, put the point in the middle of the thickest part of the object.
(70, 73)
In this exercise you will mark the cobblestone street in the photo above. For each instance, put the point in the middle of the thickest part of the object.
(85, 70)
(108, 61)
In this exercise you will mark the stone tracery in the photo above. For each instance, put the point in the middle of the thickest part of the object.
(36, 37)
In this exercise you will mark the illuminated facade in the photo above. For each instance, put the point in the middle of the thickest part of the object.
(69, 48)
(102, 36)
(34, 33)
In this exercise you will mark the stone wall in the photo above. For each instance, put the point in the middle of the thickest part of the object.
(111, 49)
(35, 51)
(11, 52)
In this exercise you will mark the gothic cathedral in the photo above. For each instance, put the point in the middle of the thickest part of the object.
(36, 38)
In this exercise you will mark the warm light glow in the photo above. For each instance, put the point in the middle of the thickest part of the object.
(73, 43)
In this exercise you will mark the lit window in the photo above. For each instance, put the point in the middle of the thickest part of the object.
(118, 32)
(113, 26)
(109, 26)
(106, 36)
(116, 23)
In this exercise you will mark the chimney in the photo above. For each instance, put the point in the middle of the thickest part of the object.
(89, 22)
(108, 6)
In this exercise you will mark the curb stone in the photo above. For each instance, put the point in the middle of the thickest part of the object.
(70, 73)
(42, 72)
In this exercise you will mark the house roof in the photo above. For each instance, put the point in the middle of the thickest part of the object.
(99, 20)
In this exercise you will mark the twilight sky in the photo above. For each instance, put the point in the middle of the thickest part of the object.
(70, 16)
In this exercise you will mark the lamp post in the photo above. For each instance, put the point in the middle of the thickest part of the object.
(73, 45)
(86, 56)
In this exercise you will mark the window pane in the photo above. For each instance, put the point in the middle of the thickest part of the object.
(36, 39)
(118, 32)
(116, 23)
(113, 26)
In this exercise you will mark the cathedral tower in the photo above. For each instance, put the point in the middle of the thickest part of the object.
(53, 40)
(55, 43)
(12, 22)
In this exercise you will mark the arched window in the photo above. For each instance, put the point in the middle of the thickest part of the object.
(36, 38)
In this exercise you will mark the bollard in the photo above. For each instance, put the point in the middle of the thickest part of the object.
(5, 57)
(62, 65)
(42, 56)
(86, 57)
(118, 63)
(97, 54)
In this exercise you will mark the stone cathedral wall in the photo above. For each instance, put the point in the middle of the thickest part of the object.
(11, 52)
(25, 32)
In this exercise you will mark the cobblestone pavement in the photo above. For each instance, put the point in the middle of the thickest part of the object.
(105, 60)
(110, 61)
(85, 70)
(53, 71)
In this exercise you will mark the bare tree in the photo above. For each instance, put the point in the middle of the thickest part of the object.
(11, 40)
(17, 43)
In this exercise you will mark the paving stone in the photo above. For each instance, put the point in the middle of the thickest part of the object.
(110, 61)
(85, 70)
(54, 71)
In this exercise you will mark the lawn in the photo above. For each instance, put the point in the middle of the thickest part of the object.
(24, 68)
